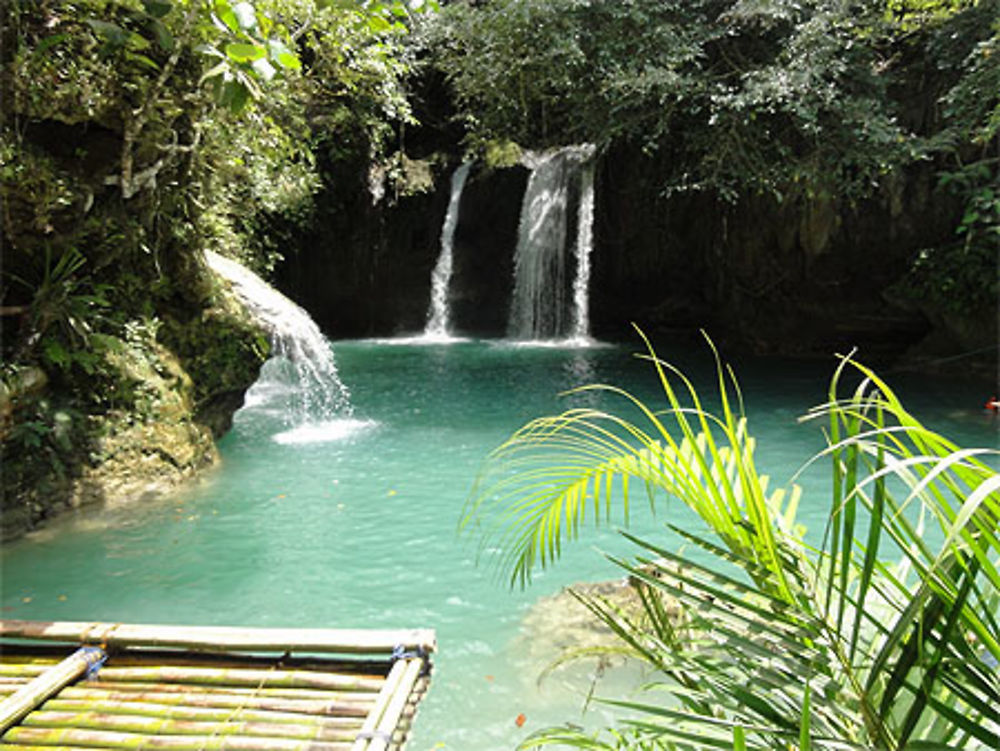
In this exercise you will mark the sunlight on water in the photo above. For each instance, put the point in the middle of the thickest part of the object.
(353, 523)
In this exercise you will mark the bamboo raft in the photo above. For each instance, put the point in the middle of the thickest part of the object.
(67, 686)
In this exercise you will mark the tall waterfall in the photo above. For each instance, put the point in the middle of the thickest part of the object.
(539, 306)
(439, 313)
(301, 378)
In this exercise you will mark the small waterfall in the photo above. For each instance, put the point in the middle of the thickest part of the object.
(301, 377)
(439, 313)
(539, 307)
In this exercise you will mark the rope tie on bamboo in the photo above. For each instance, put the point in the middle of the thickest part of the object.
(400, 652)
(370, 735)
(103, 631)
(95, 657)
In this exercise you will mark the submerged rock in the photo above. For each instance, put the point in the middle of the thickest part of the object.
(559, 624)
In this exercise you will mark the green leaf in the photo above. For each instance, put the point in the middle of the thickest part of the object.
(234, 95)
(163, 37)
(283, 56)
(216, 70)
(241, 52)
(157, 8)
(378, 24)
(112, 33)
(48, 43)
(739, 738)
(142, 60)
(137, 41)
(224, 12)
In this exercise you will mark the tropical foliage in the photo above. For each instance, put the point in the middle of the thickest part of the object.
(884, 636)
(797, 101)
(137, 133)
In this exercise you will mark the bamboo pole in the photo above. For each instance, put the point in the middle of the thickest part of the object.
(116, 740)
(9, 670)
(376, 733)
(152, 725)
(345, 703)
(20, 703)
(224, 639)
(390, 719)
(256, 678)
(294, 694)
(16, 658)
(385, 695)
(197, 714)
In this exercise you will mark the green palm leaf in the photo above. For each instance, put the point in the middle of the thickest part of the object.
(886, 639)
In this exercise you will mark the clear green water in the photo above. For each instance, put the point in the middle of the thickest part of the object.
(361, 531)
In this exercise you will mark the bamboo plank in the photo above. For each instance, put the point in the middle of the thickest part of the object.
(17, 747)
(224, 639)
(252, 678)
(17, 658)
(107, 739)
(293, 694)
(149, 725)
(339, 704)
(198, 714)
(22, 670)
(17, 705)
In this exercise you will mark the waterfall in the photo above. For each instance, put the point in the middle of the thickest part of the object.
(584, 245)
(439, 313)
(300, 379)
(539, 306)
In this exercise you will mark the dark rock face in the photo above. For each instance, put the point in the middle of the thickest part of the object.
(809, 275)
(806, 276)
(485, 239)
(364, 267)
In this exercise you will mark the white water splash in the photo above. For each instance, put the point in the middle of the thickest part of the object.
(439, 314)
(324, 432)
(301, 379)
(539, 309)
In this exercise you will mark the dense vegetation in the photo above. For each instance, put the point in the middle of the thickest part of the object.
(135, 134)
(805, 102)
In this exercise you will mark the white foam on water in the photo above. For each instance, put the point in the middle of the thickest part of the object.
(326, 431)
(418, 340)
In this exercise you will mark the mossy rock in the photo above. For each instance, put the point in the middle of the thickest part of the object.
(221, 350)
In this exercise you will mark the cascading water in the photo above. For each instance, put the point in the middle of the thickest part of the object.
(439, 314)
(539, 308)
(300, 380)
(584, 246)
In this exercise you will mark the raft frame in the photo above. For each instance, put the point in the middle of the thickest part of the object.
(192, 688)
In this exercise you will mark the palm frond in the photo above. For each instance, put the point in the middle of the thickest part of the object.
(884, 637)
